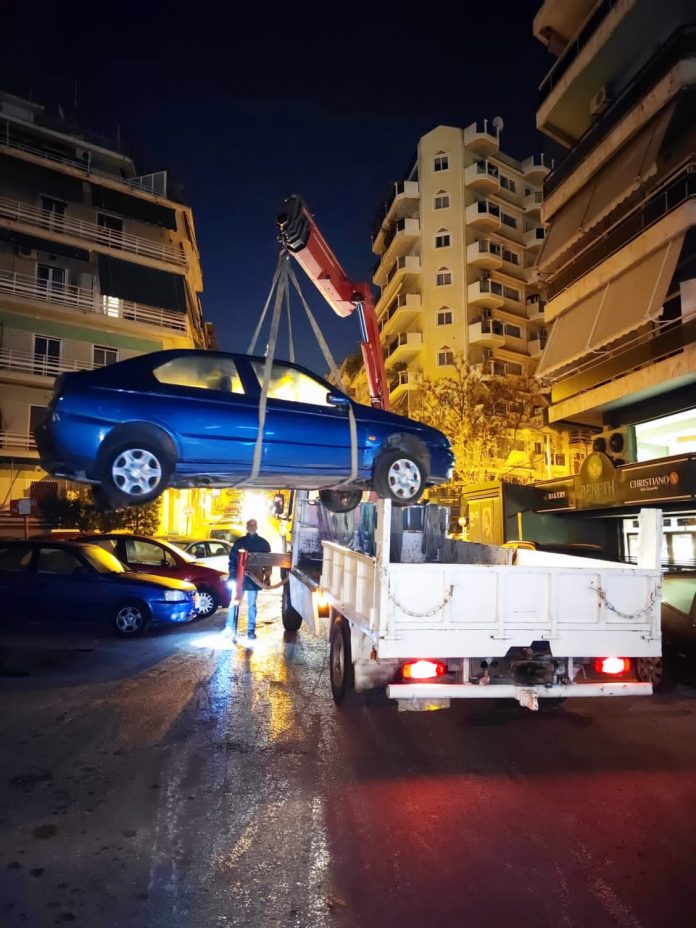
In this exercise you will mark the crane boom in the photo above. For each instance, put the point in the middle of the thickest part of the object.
(301, 236)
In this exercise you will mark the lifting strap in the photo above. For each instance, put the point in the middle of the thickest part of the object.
(283, 276)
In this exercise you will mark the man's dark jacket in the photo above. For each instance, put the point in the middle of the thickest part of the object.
(251, 543)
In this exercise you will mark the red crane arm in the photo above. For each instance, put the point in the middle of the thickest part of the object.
(301, 236)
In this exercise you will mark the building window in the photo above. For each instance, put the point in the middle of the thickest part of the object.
(445, 316)
(442, 200)
(101, 355)
(47, 352)
(508, 184)
(510, 256)
(538, 448)
(55, 209)
(445, 356)
(36, 415)
(514, 369)
(508, 220)
(511, 294)
(514, 331)
(50, 278)
(443, 239)
(111, 306)
(113, 226)
(441, 162)
(443, 278)
(559, 460)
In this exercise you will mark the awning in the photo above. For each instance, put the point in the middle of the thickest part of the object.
(42, 244)
(614, 182)
(133, 207)
(141, 284)
(51, 182)
(626, 303)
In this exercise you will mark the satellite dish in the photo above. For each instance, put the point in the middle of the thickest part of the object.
(498, 124)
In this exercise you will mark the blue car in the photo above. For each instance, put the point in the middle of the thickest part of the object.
(54, 580)
(187, 418)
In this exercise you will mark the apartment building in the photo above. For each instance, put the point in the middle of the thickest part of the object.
(619, 258)
(457, 241)
(97, 264)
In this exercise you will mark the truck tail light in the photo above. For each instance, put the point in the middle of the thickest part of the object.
(616, 666)
(423, 670)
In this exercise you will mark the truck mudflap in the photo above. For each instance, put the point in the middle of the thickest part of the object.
(439, 694)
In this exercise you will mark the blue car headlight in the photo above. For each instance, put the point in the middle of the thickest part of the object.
(174, 596)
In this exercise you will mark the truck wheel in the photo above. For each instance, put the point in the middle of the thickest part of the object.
(652, 670)
(340, 500)
(291, 617)
(399, 477)
(340, 661)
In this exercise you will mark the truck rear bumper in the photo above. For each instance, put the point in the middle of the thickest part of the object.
(527, 696)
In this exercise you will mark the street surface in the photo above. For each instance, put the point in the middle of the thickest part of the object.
(181, 781)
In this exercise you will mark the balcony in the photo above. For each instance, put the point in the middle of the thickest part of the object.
(24, 287)
(488, 293)
(483, 177)
(15, 214)
(398, 272)
(21, 440)
(401, 312)
(534, 306)
(483, 215)
(536, 168)
(404, 348)
(403, 199)
(534, 238)
(531, 204)
(26, 362)
(484, 253)
(537, 345)
(487, 333)
(481, 138)
(398, 241)
(404, 382)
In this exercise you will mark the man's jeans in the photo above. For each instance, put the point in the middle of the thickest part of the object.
(251, 611)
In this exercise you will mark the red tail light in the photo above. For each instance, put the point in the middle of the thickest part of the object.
(616, 666)
(423, 670)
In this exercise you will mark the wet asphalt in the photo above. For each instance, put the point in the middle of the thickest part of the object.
(183, 780)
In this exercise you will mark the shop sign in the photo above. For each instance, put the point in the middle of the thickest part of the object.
(596, 483)
(671, 478)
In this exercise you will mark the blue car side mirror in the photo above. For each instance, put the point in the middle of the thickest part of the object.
(338, 399)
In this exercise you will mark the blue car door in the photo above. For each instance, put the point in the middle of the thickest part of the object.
(201, 398)
(304, 434)
(66, 586)
(16, 580)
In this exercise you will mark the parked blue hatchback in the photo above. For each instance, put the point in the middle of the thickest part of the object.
(188, 418)
(65, 580)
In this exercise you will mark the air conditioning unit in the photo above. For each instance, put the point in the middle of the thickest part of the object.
(600, 101)
(619, 444)
(24, 252)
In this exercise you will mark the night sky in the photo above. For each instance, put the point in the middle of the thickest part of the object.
(244, 105)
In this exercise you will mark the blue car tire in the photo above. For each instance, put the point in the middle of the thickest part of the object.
(135, 469)
(131, 618)
(399, 476)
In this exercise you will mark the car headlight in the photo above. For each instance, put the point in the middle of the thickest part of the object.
(174, 596)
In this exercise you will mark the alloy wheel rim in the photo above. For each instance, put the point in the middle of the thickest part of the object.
(136, 472)
(129, 619)
(206, 604)
(650, 670)
(404, 478)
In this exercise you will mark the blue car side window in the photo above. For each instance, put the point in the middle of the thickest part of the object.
(202, 372)
(15, 558)
(292, 385)
(57, 561)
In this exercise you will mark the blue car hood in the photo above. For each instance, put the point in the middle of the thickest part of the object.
(167, 583)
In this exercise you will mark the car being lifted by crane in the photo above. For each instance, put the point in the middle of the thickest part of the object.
(190, 418)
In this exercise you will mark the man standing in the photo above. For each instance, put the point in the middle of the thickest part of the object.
(254, 544)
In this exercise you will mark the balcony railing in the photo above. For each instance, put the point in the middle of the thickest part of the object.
(23, 440)
(79, 228)
(410, 340)
(26, 287)
(155, 184)
(12, 359)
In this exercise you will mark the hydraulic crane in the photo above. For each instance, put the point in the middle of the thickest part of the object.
(300, 234)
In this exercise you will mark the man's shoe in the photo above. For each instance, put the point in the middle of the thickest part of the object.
(252, 636)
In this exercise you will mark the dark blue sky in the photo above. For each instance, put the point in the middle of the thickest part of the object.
(246, 106)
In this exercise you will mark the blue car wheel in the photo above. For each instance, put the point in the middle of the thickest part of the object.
(135, 470)
(131, 618)
(399, 477)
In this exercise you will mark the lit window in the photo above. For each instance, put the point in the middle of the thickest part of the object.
(445, 316)
(443, 239)
(445, 356)
(202, 372)
(441, 162)
(293, 386)
(111, 306)
(443, 278)
(442, 200)
(101, 356)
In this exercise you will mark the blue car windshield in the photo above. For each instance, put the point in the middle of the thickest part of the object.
(103, 561)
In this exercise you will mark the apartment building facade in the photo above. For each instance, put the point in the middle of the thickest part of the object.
(619, 259)
(457, 241)
(97, 264)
